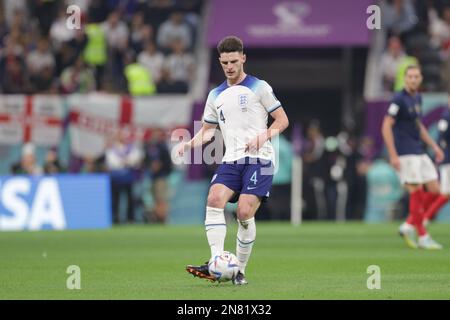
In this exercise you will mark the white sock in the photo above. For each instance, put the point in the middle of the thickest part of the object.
(424, 237)
(216, 229)
(246, 236)
(406, 225)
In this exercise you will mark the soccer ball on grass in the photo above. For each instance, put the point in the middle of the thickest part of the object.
(223, 266)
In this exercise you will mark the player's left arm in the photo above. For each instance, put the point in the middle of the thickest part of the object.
(273, 106)
(280, 123)
(425, 136)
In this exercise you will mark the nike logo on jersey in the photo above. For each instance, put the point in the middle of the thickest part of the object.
(220, 106)
(251, 188)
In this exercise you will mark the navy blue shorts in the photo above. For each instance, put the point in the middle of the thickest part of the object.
(246, 176)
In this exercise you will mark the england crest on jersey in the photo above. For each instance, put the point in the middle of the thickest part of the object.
(243, 102)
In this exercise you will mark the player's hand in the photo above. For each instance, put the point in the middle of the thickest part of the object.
(182, 148)
(255, 144)
(395, 163)
(439, 154)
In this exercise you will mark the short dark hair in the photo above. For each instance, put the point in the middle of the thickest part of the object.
(230, 44)
(412, 66)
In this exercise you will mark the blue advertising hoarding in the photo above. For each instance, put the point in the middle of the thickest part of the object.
(57, 202)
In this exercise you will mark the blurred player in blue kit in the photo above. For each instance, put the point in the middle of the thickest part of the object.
(404, 134)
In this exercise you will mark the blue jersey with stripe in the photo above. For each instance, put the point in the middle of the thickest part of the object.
(406, 110)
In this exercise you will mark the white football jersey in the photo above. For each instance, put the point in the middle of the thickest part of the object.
(241, 111)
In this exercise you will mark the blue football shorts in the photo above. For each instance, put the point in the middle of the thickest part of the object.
(246, 176)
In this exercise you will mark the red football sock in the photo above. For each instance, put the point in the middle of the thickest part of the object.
(416, 212)
(410, 218)
(435, 206)
(428, 198)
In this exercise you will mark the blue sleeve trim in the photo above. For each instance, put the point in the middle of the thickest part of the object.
(244, 242)
(275, 107)
(209, 121)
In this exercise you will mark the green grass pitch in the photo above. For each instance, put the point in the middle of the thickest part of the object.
(312, 261)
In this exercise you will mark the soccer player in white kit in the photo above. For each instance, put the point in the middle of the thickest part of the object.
(240, 107)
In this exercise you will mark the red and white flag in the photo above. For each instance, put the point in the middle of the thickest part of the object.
(36, 119)
(95, 118)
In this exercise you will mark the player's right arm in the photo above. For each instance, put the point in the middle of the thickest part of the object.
(203, 136)
(388, 137)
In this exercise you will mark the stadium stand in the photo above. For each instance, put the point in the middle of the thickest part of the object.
(35, 34)
(422, 27)
(151, 50)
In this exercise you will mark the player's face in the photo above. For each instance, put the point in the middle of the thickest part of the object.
(413, 79)
(232, 64)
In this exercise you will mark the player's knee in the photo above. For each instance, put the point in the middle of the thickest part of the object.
(244, 212)
(215, 201)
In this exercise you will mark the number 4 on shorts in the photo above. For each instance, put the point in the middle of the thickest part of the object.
(253, 178)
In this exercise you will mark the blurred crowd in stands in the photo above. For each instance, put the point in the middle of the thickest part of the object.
(123, 46)
(128, 164)
(147, 47)
(137, 47)
(334, 173)
(418, 32)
